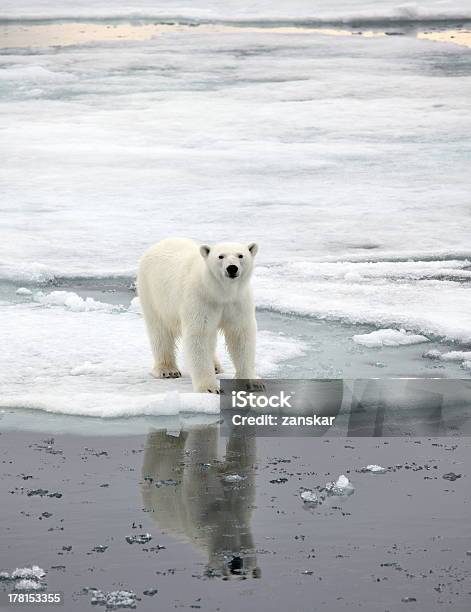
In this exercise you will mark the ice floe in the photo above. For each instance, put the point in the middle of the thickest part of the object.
(97, 362)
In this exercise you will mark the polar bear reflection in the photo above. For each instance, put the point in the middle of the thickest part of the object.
(207, 505)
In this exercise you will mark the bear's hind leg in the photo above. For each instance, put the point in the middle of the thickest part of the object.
(162, 341)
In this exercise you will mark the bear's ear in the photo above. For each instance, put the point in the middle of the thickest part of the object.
(205, 250)
(253, 248)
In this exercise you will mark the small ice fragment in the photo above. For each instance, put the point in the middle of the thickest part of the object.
(374, 469)
(40, 492)
(143, 538)
(408, 599)
(342, 486)
(120, 599)
(433, 354)
(451, 476)
(233, 478)
(29, 573)
(29, 585)
(98, 598)
(100, 548)
(309, 497)
(23, 291)
(5, 576)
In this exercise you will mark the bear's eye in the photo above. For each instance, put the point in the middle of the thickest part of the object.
(240, 256)
(221, 256)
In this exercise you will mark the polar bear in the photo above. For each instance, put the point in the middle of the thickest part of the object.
(191, 291)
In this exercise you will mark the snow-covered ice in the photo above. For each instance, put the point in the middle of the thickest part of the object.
(349, 155)
(388, 337)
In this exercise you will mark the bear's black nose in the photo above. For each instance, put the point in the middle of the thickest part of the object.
(232, 271)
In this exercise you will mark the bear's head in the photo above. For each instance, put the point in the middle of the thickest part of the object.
(230, 261)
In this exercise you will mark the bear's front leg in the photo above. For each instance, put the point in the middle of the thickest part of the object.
(198, 346)
(240, 340)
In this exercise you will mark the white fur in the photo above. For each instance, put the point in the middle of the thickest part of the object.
(185, 291)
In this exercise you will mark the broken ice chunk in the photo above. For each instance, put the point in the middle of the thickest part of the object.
(234, 478)
(113, 600)
(374, 469)
(98, 598)
(388, 337)
(99, 548)
(342, 486)
(309, 497)
(120, 599)
(143, 538)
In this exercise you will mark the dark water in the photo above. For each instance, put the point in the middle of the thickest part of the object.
(226, 543)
